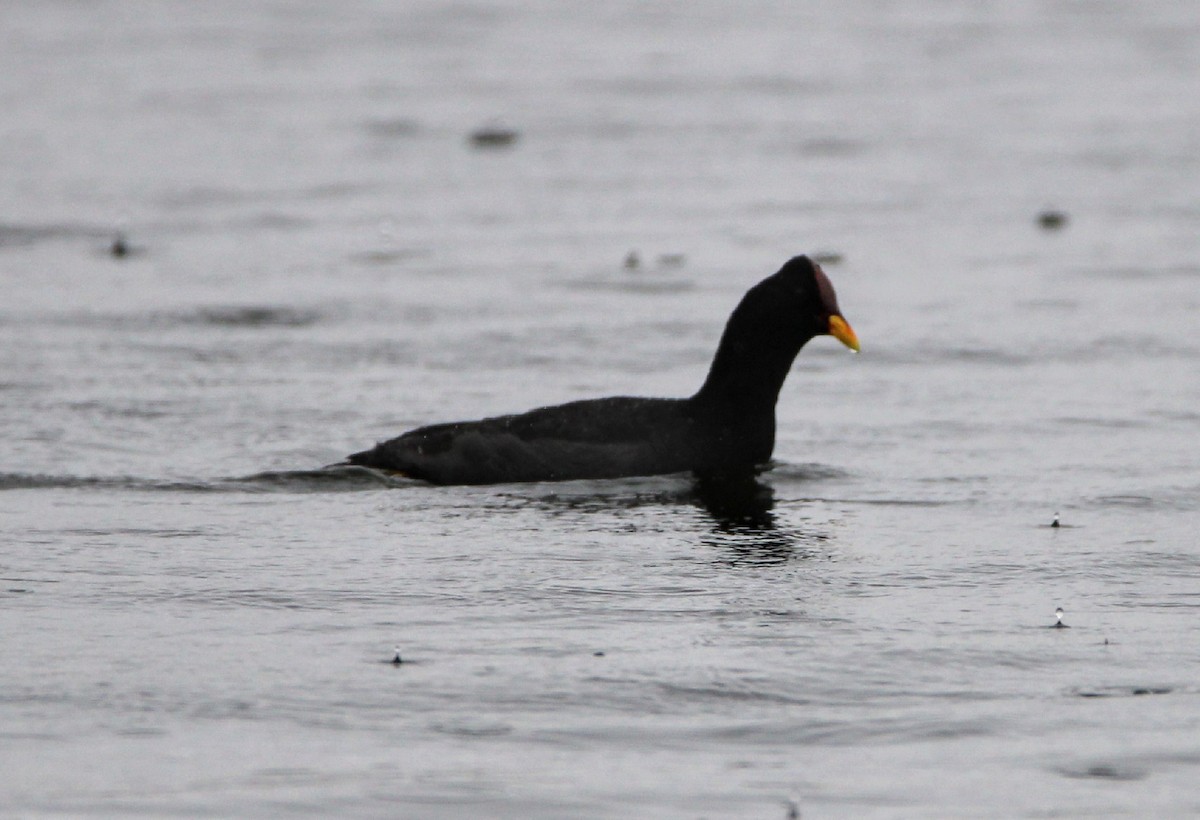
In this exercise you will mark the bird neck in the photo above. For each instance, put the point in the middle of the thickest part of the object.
(753, 359)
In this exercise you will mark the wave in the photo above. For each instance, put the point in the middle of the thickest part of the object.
(13, 234)
(327, 479)
(218, 315)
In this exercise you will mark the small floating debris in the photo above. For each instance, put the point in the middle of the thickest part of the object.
(1056, 523)
(1104, 771)
(828, 258)
(632, 261)
(1058, 619)
(1119, 691)
(119, 247)
(253, 316)
(1052, 220)
(598, 654)
(671, 260)
(493, 136)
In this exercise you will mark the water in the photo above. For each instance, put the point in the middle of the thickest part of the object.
(198, 623)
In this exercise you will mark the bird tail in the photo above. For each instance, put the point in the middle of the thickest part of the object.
(377, 459)
(367, 458)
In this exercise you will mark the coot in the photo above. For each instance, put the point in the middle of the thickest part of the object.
(726, 429)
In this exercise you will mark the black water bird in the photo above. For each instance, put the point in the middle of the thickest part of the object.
(726, 429)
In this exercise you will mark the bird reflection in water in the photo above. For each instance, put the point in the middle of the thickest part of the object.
(746, 529)
(743, 527)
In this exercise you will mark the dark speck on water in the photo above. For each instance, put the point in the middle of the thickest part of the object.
(119, 247)
(254, 316)
(1052, 220)
(1106, 772)
(493, 137)
(1120, 691)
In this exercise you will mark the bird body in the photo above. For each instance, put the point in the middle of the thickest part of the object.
(727, 428)
(594, 438)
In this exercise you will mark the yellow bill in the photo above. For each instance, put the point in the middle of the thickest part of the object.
(840, 329)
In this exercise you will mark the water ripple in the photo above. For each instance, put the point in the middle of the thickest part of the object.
(329, 479)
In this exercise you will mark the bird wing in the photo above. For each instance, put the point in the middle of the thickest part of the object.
(596, 438)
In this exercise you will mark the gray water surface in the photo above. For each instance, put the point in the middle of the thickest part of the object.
(198, 621)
